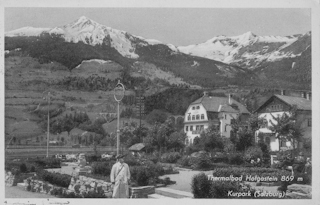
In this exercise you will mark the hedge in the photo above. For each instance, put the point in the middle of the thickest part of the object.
(171, 157)
(32, 165)
(204, 188)
(259, 171)
(62, 180)
(147, 174)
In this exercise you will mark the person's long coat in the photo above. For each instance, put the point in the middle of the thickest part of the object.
(120, 175)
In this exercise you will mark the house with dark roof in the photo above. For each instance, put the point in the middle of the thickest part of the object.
(211, 110)
(277, 105)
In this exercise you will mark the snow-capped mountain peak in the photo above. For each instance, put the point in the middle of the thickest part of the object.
(248, 50)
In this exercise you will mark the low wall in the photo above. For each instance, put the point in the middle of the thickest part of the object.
(78, 185)
(82, 183)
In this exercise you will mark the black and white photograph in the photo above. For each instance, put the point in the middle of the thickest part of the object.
(133, 101)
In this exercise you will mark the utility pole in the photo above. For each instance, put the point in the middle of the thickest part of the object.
(48, 127)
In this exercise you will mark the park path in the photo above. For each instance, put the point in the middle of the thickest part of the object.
(19, 192)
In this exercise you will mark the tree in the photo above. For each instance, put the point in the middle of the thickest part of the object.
(285, 126)
(211, 139)
(254, 122)
(176, 141)
(243, 132)
(156, 116)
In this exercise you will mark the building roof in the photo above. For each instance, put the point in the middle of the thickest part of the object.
(137, 147)
(301, 103)
(76, 131)
(220, 104)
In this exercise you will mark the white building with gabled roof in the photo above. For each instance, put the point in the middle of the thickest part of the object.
(211, 110)
(277, 105)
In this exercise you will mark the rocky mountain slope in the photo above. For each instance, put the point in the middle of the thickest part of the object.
(85, 39)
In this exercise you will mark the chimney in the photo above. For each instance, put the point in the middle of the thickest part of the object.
(283, 92)
(205, 94)
(308, 96)
(230, 99)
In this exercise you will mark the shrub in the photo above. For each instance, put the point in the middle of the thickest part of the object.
(102, 168)
(306, 178)
(171, 157)
(58, 179)
(235, 158)
(219, 157)
(153, 158)
(261, 172)
(191, 149)
(184, 161)
(147, 173)
(131, 160)
(92, 158)
(220, 189)
(201, 186)
(46, 162)
(202, 162)
(23, 168)
(140, 175)
(253, 153)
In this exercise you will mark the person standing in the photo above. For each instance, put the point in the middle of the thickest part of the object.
(120, 178)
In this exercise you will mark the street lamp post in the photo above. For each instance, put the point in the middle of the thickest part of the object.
(118, 96)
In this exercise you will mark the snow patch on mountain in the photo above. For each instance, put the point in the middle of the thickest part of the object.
(94, 60)
(27, 31)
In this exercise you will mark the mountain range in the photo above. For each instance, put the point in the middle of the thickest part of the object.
(246, 59)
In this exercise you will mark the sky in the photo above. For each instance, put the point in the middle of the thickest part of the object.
(178, 26)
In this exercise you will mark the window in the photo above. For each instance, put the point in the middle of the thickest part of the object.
(264, 123)
(191, 128)
(202, 116)
(193, 117)
(198, 107)
(187, 128)
(193, 108)
(197, 117)
(232, 121)
(225, 117)
(197, 127)
(189, 117)
(309, 122)
(276, 107)
(225, 128)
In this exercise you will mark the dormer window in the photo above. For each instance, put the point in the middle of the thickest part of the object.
(202, 116)
(193, 117)
(189, 117)
(198, 117)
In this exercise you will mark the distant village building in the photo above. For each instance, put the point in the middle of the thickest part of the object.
(75, 135)
(137, 149)
(210, 110)
(277, 105)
